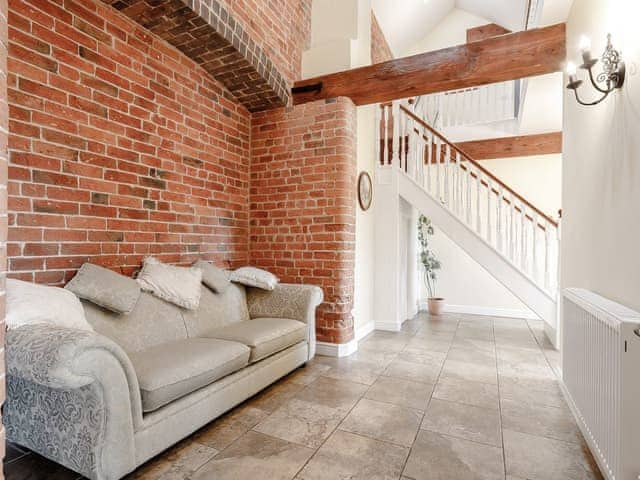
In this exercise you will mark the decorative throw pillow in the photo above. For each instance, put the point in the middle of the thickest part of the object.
(105, 288)
(178, 285)
(254, 277)
(29, 303)
(213, 277)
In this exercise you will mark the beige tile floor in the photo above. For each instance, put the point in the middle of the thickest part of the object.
(457, 397)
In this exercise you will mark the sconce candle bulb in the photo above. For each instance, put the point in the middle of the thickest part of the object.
(585, 48)
(612, 75)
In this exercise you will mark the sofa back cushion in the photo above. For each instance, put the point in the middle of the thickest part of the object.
(152, 322)
(181, 286)
(217, 310)
(105, 288)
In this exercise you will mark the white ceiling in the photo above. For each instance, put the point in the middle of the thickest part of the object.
(405, 22)
(511, 14)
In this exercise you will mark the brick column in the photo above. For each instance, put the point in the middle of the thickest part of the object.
(3, 202)
(302, 203)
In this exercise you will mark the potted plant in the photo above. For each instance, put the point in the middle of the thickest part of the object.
(430, 265)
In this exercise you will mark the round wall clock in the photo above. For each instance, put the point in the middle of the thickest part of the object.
(365, 191)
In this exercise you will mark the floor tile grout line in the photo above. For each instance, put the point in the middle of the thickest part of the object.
(500, 397)
(404, 466)
(252, 429)
(499, 408)
(504, 451)
(334, 430)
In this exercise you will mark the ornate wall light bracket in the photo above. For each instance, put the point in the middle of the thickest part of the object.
(609, 79)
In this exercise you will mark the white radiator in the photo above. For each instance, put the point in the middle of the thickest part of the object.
(601, 379)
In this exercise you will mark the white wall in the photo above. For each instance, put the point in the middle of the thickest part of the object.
(452, 30)
(601, 190)
(333, 20)
(365, 235)
(340, 37)
(537, 178)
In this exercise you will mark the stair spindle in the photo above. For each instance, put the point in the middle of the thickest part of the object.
(385, 135)
(523, 239)
(438, 170)
(508, 218)
(460, 177)
(379, 138)
(395, 157)
(478, 217)
(547, 256)
(447, 164)
(534, 255)
(468, 200)
(429, 164)
(403, 142)
(499, 219)
(489, 195)
(413, 139)
(454, 184)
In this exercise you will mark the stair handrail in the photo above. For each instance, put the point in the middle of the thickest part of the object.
(477, 165)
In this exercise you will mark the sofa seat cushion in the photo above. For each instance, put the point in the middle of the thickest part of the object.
(172, 370)
(265, 336)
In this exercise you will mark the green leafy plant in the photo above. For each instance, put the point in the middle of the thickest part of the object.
(428, 259)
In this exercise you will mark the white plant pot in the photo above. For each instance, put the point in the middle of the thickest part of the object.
(436, 306)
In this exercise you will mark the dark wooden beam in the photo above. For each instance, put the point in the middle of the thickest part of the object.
(483, 32)
(507, 147)
(507, 57)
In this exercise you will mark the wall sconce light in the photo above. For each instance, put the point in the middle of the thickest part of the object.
(612, 75)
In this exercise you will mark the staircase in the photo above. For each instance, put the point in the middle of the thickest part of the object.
(507, 235)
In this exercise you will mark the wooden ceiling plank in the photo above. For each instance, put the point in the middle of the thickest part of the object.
(509, 147)
(483, 32)
(507, 57)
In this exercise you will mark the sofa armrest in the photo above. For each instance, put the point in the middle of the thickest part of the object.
(74, 397)
(297, 302)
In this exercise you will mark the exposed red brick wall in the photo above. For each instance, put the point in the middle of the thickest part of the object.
(120, 147)
(282, 28)
(303, 176)
(3, 205)
(206, 32)
(380, 49)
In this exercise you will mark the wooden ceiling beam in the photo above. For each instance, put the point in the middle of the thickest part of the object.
(507, 57)
(508, 147)
(483, 32)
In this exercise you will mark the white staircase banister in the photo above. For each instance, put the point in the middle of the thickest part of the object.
(482, 169)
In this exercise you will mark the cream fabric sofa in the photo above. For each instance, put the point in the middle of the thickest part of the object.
(103, 403)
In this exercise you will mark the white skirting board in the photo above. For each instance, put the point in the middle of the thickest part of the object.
(487, 311)
(344, 349)
(336, 349)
